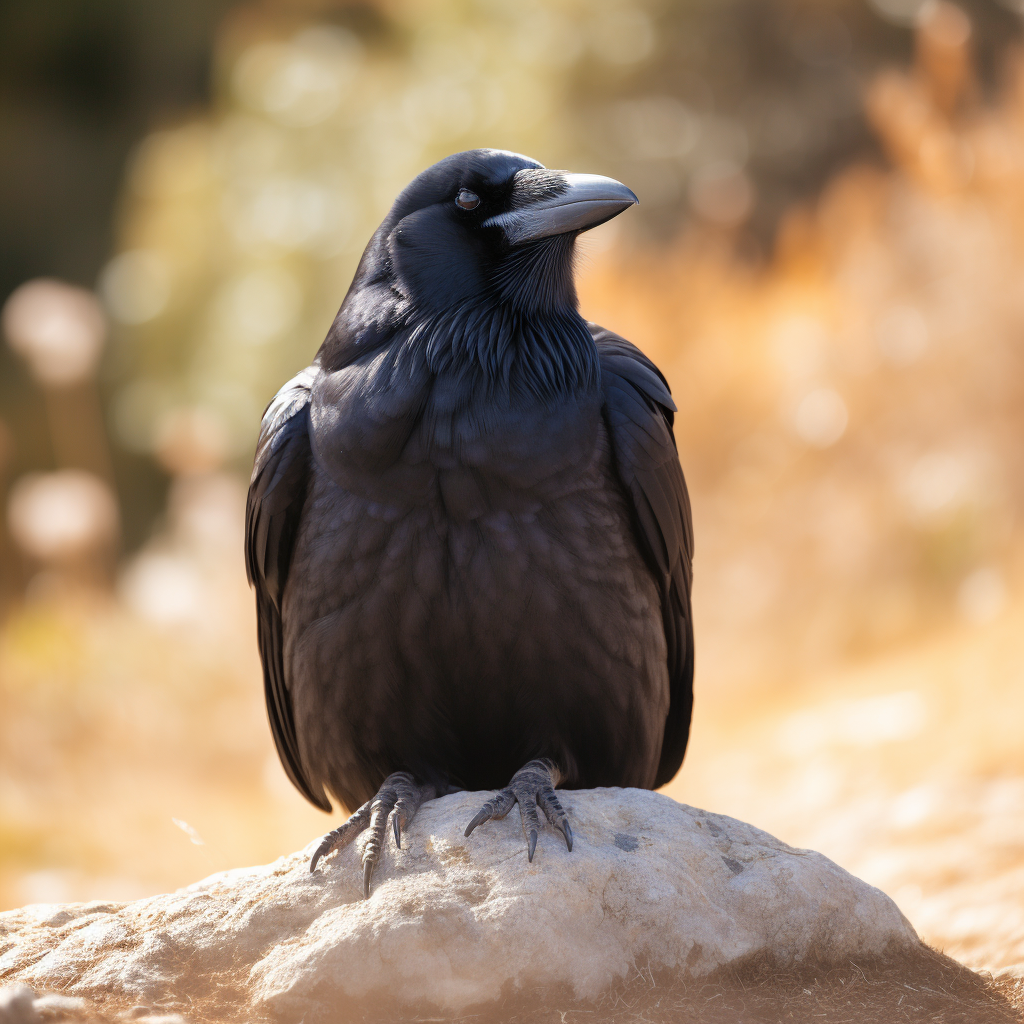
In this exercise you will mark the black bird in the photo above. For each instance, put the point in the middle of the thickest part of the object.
(467, 526)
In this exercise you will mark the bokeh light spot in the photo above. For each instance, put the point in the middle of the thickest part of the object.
(820, 418)
(900, 12)
(164, 589)
(59, 516)
(937, 481)
(901, 334)
(136, 286)
(300, 83)
(57, 328)
(258, 306)
(982, 595)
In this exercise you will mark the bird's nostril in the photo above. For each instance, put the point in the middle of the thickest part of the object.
(467, 200)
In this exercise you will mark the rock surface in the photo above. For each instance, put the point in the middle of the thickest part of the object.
(453, 923)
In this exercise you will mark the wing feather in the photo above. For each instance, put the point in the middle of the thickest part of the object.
(639, 412)
(277, 493)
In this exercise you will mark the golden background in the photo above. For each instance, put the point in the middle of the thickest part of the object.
(851, 393)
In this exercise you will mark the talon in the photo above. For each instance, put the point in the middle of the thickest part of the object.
(497, 807)
(567, 832)
(481, 816)
(532, 786)
(320, 851)
(342, 835)
(398, 799)
(324, 846)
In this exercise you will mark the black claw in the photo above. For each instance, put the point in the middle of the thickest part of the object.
(398, 798)
(532, 787)
(325, 847)
(481, 816)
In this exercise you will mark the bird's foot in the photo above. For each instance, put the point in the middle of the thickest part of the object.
(534, 784)
(397, 801)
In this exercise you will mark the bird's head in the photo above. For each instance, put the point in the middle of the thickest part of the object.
(489, 227)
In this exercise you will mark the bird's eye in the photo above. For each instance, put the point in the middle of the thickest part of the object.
(468, 200)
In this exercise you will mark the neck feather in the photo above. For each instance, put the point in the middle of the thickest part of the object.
(542, 355)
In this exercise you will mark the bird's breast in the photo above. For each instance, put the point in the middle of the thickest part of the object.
(496, 631)
(394, 435)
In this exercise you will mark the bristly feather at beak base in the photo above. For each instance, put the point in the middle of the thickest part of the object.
(586, 201)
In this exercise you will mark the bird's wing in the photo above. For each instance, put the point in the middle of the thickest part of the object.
(638, 410)
(277, 492)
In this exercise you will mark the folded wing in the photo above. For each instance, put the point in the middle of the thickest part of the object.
(277, 493)
(638, 410)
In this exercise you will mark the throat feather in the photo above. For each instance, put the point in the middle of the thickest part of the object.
(539, 355)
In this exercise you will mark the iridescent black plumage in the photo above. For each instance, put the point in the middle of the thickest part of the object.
(467, 527)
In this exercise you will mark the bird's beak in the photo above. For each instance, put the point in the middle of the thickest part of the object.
(586, 201)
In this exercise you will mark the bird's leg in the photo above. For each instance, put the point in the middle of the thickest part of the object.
(532, 786)
(397, 801)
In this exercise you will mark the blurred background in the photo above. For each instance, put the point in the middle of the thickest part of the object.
(827, 262)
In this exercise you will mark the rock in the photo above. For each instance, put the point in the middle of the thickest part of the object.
(454, 923)
(16, 1005)
(58, 1007)
(19, 1004)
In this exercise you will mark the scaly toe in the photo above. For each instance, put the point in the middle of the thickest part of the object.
(397, 801)
(381, 808)
(530, 818)
(342, 835)
(554, 813)
(532, 786)
(497, 807)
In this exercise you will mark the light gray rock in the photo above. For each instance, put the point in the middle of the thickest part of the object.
(16, 1005)
(58, 1007)
(455, 922)
(19, 1004)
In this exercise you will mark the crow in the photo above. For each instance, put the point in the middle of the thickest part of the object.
(467, 526)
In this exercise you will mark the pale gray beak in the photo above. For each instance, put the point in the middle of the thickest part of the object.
(587, 200)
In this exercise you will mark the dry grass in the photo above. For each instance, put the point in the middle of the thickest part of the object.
(925, 988)
(908, 990)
